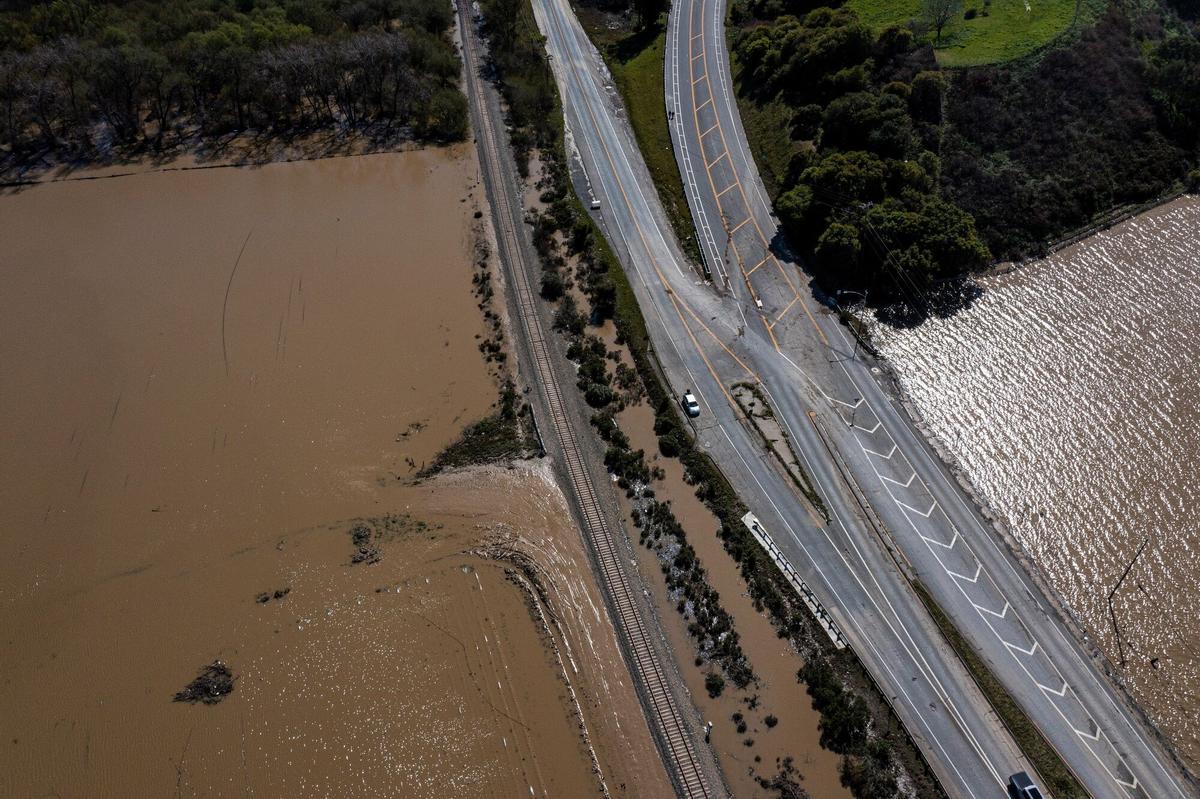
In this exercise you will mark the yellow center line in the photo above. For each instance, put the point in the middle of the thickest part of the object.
(742, 191)
(676, 302)
(708, 172)
(785, 310)
(724, 154)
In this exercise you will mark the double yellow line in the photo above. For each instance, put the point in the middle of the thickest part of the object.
(725, 154)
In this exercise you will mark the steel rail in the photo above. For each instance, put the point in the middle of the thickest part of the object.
(673, 734)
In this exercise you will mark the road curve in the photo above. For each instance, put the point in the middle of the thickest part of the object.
(810, 364)
(695, 332)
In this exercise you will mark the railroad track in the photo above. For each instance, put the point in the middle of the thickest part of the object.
(671, 730)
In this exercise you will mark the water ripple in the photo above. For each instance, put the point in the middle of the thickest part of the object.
(1068, 393)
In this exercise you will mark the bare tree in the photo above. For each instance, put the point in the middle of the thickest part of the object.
(938, 13)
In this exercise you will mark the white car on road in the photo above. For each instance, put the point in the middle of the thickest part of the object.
(690, 406)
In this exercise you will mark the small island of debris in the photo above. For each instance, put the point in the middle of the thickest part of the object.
(213, 684)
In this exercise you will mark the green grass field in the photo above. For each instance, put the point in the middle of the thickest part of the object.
(1011, 29)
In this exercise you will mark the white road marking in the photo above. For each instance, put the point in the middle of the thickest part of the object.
(918, 512)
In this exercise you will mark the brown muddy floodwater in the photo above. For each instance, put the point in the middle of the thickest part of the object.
(208, 375)
(1068, 393)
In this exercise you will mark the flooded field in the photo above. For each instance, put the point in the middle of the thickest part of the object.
(758, 751)
(1068, 394)
(209, 378)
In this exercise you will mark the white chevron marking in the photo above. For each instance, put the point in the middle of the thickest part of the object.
(1028, 651)
(999, 615)
(1060, 692)
(964, 578)
(897, 482)
(880, 454)
(914, 510)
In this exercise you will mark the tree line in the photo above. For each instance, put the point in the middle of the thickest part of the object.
(860, 190)
(1033, 150)
(78, 77)
(893, 175)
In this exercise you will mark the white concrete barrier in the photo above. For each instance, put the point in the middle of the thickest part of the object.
(822, 616)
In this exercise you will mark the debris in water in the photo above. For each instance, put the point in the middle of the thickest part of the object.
(213, 684)
(266, 596)
(366, 550)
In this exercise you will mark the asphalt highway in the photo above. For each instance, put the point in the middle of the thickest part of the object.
(695, 331)
(807, 363)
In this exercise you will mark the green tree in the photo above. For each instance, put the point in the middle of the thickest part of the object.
(847, 178)
(928, 94)
(648, 11)
(839, 247)
(938, 14)
(796, 211)
(714, 683)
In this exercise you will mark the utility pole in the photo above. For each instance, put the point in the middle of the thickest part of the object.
(837, 299)
(1111, 613)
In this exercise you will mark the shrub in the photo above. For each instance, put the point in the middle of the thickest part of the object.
(714, 683)
(552, 285)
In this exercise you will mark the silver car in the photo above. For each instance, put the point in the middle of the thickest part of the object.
(690, 406)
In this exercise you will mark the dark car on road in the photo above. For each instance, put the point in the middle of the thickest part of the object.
(1020, 786)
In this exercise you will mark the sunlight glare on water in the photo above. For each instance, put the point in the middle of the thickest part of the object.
(1068, 394)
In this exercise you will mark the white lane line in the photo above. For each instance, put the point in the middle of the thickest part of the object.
(1023, 667)
(911, 477)
(996, 590)
(967, 579)
(922, 664)
(886, 457)
(712, 251)
(1001, 615)
(914, 510)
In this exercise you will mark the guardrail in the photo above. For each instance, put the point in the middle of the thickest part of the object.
(814, 605)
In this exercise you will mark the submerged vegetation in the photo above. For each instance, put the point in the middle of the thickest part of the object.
(81, 78)
(504, 436)
(606, 384)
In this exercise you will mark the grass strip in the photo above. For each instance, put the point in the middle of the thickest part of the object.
(636, 63)
(1059, 780)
